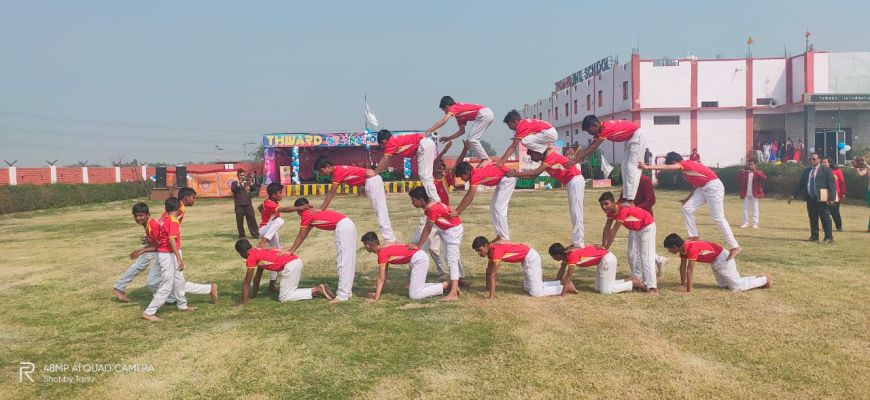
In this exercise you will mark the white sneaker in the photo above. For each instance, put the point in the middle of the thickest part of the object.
(744, 226)
(661, 264)
(754, 226)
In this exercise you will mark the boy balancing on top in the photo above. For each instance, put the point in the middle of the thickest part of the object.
(407, 146)
(706, 188)
(145, 257)
(465, 113)
(724, 268)
(618, 131)
(533, 275)
(276, 260)
(535, 134)
(394, 254)
(449, 229)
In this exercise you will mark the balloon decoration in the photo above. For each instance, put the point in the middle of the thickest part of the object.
(295, 165)
(407, 168)
(843, 151)
(847, 148)
(812, 149)
(841, 146)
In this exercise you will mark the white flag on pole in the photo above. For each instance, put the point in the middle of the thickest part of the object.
(370, 116)
(606, 168)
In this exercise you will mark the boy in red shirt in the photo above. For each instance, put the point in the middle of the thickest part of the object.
(533, 275)
(559, 168)
(145, 257)
(276, 260)
(407, 146)
(396, 254)
(605, 262)
(634, 140)
(641, 239)
(724, 268)
(345, 239)
(491, 175)
(535, 134)
(449, 229)
(171, 264)
(464, 113)
(646, 199)
(356, 176)
(706, 188)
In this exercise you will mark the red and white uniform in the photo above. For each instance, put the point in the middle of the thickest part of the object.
(418, 261)
(572, 179)
(403, 145)
(144, 261)
(374, 187)
(530, 126)
(492, 175)
(641, 242)
(634, 146)
(724, 270)
(396, 254)
(269, 259)
(270, 212)
(464, 112)
(697, 174)
(322, 219)
(424, 148)
(605, 274)
(170, 229)
(530, 260)
(632, 218)
(179, 215)
(450, 231)
(290, 267)
(171, 280)
(708, 190)
(349, 175)
(481, 117)
(618, 130)
(270, 224)
(535, 134)
(345, 244)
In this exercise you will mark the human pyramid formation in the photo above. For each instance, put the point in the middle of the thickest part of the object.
(441, 223)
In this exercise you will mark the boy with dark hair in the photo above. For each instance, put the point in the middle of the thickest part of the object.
(706, 188)
(449, 229)
(493, 176)
(535, 134)
(345, 237)
(641, 239)
(145, 257)
(276, 260)
(625, 131)
(646, 199)
(465, 113)
(271, 222)
(395, 254)
(356, 176)
(187, 197)
(533, 275)
(171, 264)
(407, 146)
(724, 268)
(605, 262)
(569, 176)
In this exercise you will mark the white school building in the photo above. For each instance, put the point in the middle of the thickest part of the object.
(722, 107)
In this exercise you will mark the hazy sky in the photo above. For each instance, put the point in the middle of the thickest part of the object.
(169, 80)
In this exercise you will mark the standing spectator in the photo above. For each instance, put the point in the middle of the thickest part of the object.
(841, 192)
(781, 154)
(749, 180)
(862, 170)
(799, 150)
(695, 156)
(789, 151)
(647, 157)
(759, 154)
(242, 190)
(766, 152)
(774, 150)
(819, 190)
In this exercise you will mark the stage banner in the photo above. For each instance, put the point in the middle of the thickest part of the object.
(212, 184)
(344, 139)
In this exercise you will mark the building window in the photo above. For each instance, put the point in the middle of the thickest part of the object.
(566, 110)
(575, 106)
(600, 98)
(625, 90)
(764, 101)
(549, 115)
(540, 115)
(666, 120)
(568, 132)
(709, 104)
(588, 102)
(557, 113)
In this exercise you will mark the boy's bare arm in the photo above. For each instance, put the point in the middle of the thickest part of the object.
(300, 237)
(246, 285)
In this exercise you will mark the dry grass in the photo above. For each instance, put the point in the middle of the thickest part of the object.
(808, 337)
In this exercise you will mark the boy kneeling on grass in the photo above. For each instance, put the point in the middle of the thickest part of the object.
(724, 268)
(604, 260)
(394, 254)
(276, 260)
(533, 275)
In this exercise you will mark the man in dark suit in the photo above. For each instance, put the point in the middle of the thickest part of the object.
(813, 180)
(242, 190)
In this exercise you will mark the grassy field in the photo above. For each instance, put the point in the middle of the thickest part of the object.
(807, 337)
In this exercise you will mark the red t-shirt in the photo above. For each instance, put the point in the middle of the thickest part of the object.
(270, 211)
(274, 261)
(396, 254)
(354, 176)
(618, 131)
(437, 214)
(555, 163)
(323, 219)
(705, 252)
(633, 218)
(697, 174)
(464, 112)
(180, 216)
(586, 256)
(403, 145)
(442, 191)
(489, 175)
(529, 126)
(509, 252)
(170, 228)
(152, 232)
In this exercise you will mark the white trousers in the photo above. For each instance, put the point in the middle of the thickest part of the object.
(605, 277)
(498, 207)
(452, 238)
(155, 278)
(378, 198)
(270, 233)
(713, 193)
(750, 207)
(540, 141)
(426, 154)
(642, 254)
(481, 123)
(290, 277)
(727, 275)
(141, 264)
(576, 188)
(172, 282)
(634, 150)
(345, 254)
(434, 246)
(418, 288)
(534, 277)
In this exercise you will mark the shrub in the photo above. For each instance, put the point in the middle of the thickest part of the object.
(36, 197)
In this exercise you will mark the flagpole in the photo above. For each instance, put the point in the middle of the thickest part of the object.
(365, 113)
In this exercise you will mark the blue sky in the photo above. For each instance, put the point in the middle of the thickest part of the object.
(167, 81)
